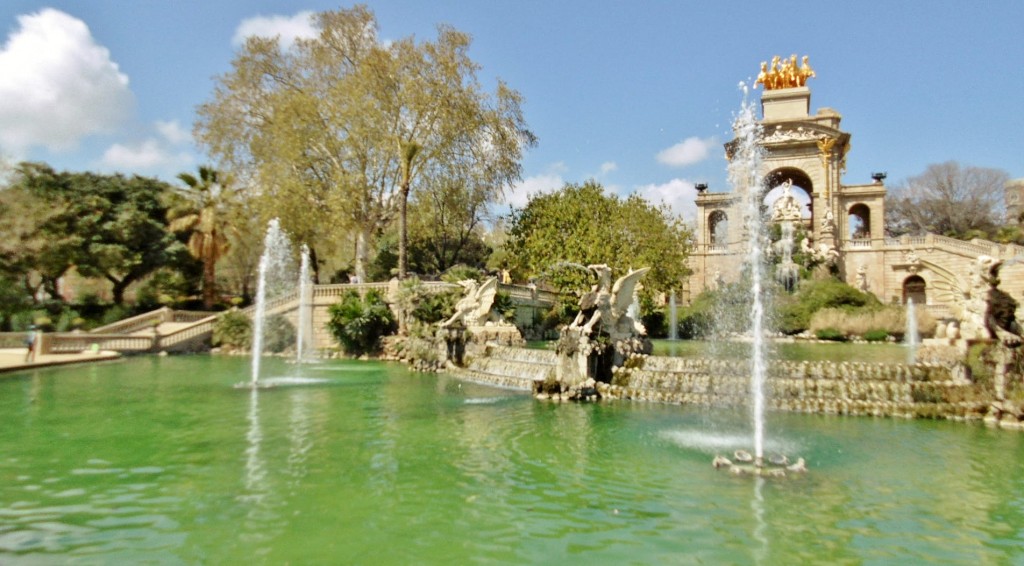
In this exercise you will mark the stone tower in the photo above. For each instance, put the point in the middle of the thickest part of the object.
(809, 150)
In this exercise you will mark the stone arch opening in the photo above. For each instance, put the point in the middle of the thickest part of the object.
(859, 222)
(914, 287)
(773, 189)
(718, 229)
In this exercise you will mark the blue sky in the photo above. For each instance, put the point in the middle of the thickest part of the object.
(639, 96)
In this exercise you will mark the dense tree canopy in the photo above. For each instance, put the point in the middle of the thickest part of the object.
(948, 199)
(107, 226)
(584, 225)
(336, 132)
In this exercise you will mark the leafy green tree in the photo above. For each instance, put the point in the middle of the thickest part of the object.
(335, 133)
(107, 226)
(202, 209)
(581, 225)
(446, 226)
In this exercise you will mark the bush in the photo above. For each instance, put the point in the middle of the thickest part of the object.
(504, 306)
(358, 323)
(233, 329)
(890, 319)
(278, 334)
(830, 334)
(876, 335)
(795, 313)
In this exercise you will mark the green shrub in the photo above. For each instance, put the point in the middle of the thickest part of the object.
(830, 334)
(876, 335)
(461, 272)
(278, 334)
(358, 323)
(504, 306)
(233, 329)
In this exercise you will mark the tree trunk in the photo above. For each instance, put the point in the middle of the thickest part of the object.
(314, 265)
(119, 289)
(403, 230)
(209, 284)
(362, 245)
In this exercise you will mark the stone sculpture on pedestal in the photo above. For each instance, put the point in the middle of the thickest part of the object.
(603, 335)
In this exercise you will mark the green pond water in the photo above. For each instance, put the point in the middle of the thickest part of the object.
(161, 461)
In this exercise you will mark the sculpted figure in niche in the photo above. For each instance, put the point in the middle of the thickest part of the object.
(862, 277)
(828, 224)
(786, 207)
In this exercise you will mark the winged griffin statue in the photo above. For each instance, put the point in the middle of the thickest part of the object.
(474, 308)
(609, 304)
(985, 312)
(604, 333)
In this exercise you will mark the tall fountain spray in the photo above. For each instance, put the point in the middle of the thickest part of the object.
(746, 177)
(911, 338)
(304, 333)
(274, 264)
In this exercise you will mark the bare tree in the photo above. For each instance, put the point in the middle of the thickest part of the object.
(948, 199)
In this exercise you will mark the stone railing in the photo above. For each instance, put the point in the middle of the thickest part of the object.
(136, 323)
(190, 316)
(188, 338)
(73, 342)
(972, 248)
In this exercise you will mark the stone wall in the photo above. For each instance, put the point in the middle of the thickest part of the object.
(844, 388)
(847, 388)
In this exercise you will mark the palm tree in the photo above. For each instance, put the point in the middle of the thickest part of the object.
(202, 210)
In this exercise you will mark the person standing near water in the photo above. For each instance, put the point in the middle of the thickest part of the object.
(30, 343)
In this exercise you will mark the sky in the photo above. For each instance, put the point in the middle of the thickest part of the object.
(639, 96)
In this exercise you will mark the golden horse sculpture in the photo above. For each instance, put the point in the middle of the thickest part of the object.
(784, 73)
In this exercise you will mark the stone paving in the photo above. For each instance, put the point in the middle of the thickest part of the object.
(13, 359)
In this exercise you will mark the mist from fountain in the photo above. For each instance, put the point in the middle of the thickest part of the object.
(275, 263)
(745, 176)
(911, 338)
(304, 350)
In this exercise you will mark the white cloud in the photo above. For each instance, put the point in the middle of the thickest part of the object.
(532, 186)
(149, 155)
(286, 28)
(173, 132)
(687, 152)
(57, 84)
(608, 167)
(678, 194)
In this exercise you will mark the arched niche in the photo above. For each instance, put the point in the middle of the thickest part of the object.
(914, 287)
(718, 228)
(859, 222)
(774, 181)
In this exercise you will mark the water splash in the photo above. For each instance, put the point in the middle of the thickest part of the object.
(746, 177)
(911, 338)
(304, 350)
(274, 264)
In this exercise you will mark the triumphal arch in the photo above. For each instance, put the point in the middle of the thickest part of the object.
(840, 225)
